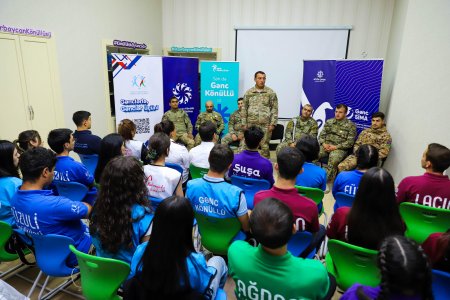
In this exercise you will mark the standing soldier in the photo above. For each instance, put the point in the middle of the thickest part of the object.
(377, 136)
(298, 127)
(337, 136)
(209, 115)
(260, 108)
(183, 125)
(235, 132)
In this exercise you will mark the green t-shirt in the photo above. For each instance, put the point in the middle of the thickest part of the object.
(259, 275)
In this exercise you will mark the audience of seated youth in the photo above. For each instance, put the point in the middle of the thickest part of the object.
(9, 179)
(111, 146)
(223, 199)
(270, 267)
(433, 187)
(168, 267)
(86, 142)
(198, 156)
(28, 139)
(312, 176)
(178, 153)
(127, 129)
(405, 273)
(38, 211)
(121, 216)
(161, 181)
(289, 164)
(249, 163)
(373, 216)
(437, 247)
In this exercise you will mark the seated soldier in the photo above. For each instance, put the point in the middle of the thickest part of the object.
(269, 271)
(38, 211)
(198, 156)
(86, 142)
(235, 132)
(250, 163)
(182, 123)
(312, 176)
(209, 115)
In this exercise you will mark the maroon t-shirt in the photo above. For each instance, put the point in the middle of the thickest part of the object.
(337, 228)
(304, 209)
(428, 189)
(435, 247)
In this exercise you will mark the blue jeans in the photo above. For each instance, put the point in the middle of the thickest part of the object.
(220, 278)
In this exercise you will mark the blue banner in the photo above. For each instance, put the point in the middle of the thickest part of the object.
(180, 79)
(220, 84)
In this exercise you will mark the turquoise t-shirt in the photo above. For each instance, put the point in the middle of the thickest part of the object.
(8, 187)
(260, 275)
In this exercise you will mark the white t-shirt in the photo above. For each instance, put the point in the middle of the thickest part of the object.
(198, 156)
(161, 181)
(133, 148)
(179, 154)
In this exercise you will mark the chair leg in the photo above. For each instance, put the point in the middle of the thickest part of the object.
(11, 271)
(59, 288)
(34, 284)
(43, 287)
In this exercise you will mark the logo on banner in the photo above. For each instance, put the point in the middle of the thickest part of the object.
(320, 77)
(215, 68)
(182, 92)
(138, 81)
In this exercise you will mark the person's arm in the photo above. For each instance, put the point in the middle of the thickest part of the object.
(165, 117)
(288, 138)
(179, 189)
(314, 129)
(244, 112)
(385, 146)
(324, 132)
(348, 143)
(244, 223)
(199, 121)
(242, 213)
(89, 209)
(358, 142)
(231, 124)
(220, 124)
(333, 226)
(188, 123)
(402, 192)
(273, 109)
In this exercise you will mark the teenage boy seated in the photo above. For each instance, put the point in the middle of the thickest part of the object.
(312, 176)
(270, 269)
(249, 163)
(198, 156)
(38, 211)
(214, 197)
(289, 164)
(86, 142)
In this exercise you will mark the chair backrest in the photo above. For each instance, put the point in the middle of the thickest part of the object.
(51, 252)
(197, 172)
(250, 187)
(5, 234)
(421, 220)
(89, 161)
(278, 132)
(175, 167)
(343, 199)
(314, 194)
(352, 264)
(299, 242)
(100, 277)
(75, 191)
(441, 283)
(216, 233)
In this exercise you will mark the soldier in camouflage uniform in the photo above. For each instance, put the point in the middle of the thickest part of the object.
(260, 108)
(209, 115)
(337, 136)
(183, 125)
(299, 126)
(377, 136)
(235, 132)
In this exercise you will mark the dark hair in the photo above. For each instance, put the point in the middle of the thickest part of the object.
(366, 157)
(240, 99)
(271, 223)
(220, 158)
(207, 130)
(7, 167)
(24, 139)
(33, 161)
(342, 106)
(374, 214)
(253, 136)
(164, 268)
(57, 138)
(173, 97)
(290, 162)
(110, 147)
(378, 114)
(165, 126)
(259, 72)
(122, 186)
(439, 156)
(309, 147)
(158, 145)
(80, 116)
(126, 129)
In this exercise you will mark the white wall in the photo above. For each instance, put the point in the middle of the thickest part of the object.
(419, 110)
(78, 28)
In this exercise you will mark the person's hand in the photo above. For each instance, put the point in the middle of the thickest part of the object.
(271, 128)
(240, 136)
(190, 136)
(332, 147)
(326, 147)
(234, 137)
(292, 145)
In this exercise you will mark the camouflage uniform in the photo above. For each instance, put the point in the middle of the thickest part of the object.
(260, 108)
(214, 117)
(302, 127)
(379, 138)
(234, 127)
(341, 134)
(183, 125)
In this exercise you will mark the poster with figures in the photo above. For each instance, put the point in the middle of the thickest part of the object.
(138, 91)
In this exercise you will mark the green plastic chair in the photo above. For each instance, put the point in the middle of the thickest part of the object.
(217, 234)
(197, 172)
(315, 195)
(421, 220)
(5, 234)
(351, 264)
(100, 277)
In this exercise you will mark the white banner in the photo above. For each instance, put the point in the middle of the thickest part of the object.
(138, 91)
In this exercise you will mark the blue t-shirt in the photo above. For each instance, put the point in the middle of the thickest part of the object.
(142, 218)
(8, 187)
(346, 182)
(251, 164)
(313, 176)
(86, 142)
(67, 169)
